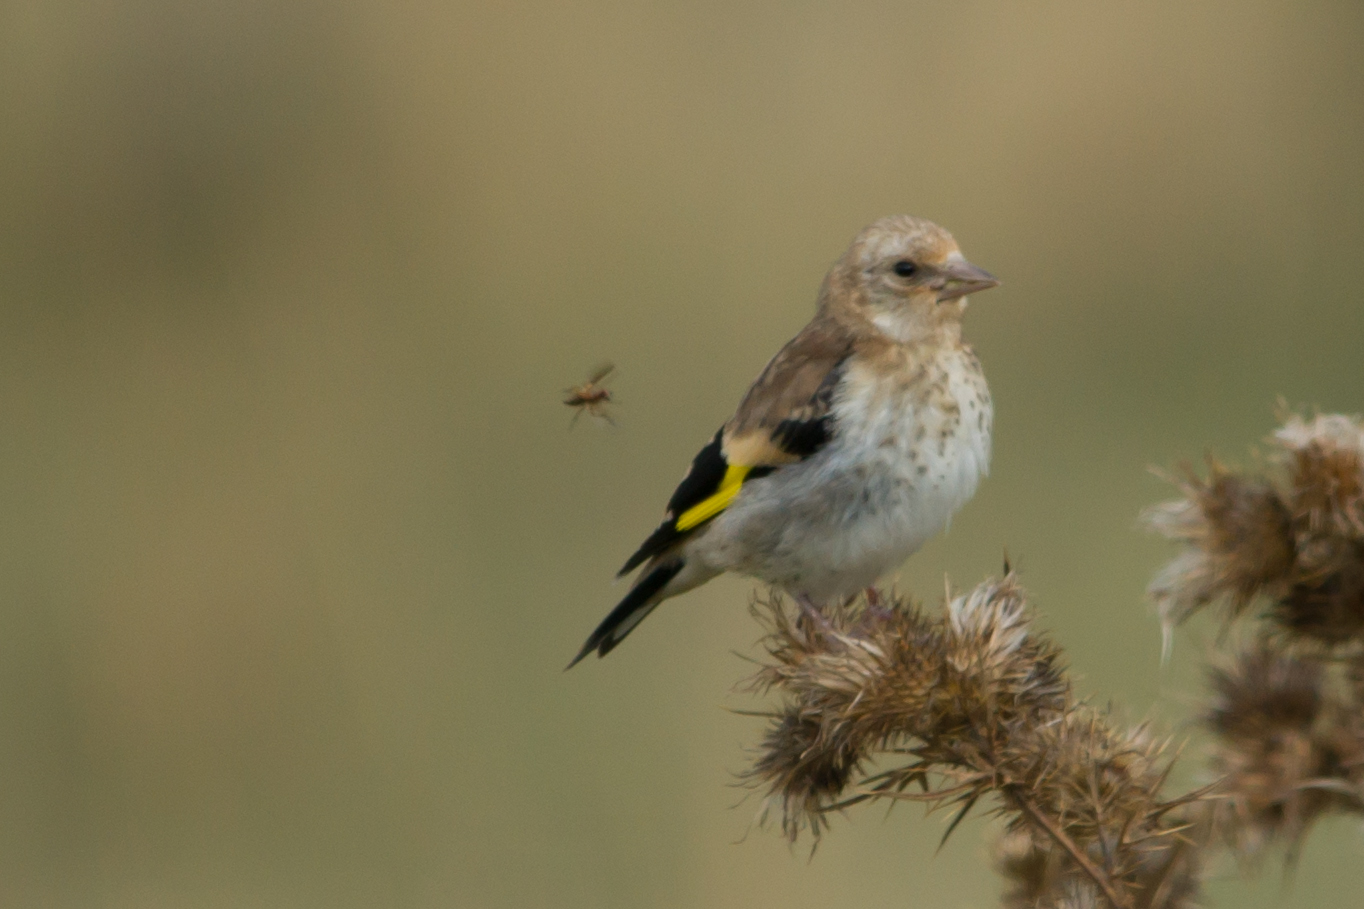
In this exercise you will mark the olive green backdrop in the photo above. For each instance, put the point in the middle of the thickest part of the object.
(296, 540)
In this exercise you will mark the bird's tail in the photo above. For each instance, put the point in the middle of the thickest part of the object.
(638, 603)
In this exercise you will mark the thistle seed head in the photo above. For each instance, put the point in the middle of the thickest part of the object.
(1295, 538)
(1289, 747)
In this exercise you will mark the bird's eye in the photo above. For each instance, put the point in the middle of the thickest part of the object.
(904, 268)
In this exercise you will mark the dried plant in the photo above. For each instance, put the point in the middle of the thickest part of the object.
(1289, 747)
(1295, 539)
(1287, 710)
(1238, 538)
(970, 705)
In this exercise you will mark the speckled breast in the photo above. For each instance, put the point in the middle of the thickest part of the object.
(909, 448)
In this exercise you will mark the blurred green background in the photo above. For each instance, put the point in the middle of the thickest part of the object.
(296, 540)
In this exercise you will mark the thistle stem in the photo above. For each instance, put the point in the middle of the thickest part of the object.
(1039, 818)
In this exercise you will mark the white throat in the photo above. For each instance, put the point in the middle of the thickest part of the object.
(906, 327)
(899, 325)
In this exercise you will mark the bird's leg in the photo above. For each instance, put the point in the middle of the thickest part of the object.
(876, 605)
(810, 612)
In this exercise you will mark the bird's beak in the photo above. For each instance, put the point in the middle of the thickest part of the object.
(957, 279)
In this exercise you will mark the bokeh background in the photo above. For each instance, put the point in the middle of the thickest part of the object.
(296, 540)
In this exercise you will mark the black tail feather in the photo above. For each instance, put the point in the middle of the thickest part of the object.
(629, 613)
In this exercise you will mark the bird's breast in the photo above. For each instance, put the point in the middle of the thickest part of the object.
(919, 434)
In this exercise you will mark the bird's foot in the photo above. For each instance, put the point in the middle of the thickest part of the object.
(877, 608)
(811, 614)
(807, 605)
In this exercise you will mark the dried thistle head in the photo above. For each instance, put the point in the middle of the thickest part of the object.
(1324, 460)
(1238, 539)
(1093, 774)
(803, 777)
(847, 675)
(988, 636)
(858, 679)
(1287, 747)
(1325, 603)
(1297, 538)
(995, 666)
(1102, 785)
(1326, 463)
(1264, 693)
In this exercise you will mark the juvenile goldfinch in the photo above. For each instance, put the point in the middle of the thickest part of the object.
(859, 440)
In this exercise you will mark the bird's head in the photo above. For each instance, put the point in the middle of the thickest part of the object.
(904, 276)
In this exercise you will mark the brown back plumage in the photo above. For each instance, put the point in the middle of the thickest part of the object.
(790, 386)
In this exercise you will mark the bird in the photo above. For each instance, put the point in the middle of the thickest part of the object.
(857, 442)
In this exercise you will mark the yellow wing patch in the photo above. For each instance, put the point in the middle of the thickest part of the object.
(718, 501)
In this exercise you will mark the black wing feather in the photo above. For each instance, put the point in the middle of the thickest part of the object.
(626, 614)
(707, 470)
(800, 438)
(803, 438)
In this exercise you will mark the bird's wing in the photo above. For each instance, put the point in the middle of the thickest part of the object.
(784, 418)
